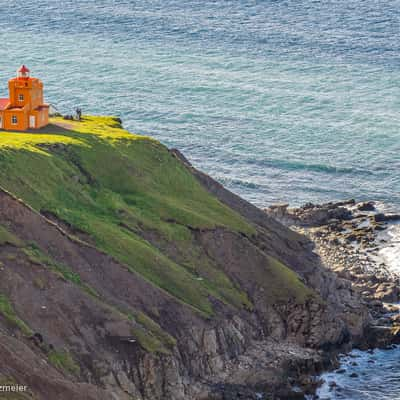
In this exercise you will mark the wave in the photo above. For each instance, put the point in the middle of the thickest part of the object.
(303, 166)
(231, 182)
(391, 251)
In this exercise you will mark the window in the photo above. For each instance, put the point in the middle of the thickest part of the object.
(20, 97)
(14, 120)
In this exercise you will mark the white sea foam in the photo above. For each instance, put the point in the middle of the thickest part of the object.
(389, 240)
(390, 252)
(370, 375)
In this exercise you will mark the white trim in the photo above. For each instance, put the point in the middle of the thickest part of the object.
(32, 121)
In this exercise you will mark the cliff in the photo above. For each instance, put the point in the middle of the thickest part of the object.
(125, 273)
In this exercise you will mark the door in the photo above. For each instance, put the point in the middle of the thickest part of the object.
(1, 122)
(32, 121)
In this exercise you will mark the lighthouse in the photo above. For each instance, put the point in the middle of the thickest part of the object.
(25, 108)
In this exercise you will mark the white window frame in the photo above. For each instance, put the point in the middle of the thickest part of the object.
(21, 97)
(14, 120)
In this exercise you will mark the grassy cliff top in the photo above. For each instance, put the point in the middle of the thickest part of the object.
(120, 188)
(123, 169)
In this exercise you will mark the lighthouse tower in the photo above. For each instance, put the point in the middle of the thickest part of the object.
(25, 108)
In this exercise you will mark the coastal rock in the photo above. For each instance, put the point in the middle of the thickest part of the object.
(348, 245)
(386, 217)
(387, 292)
(366, 206)
(311, 214)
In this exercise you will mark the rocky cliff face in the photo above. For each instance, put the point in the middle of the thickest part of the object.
(120, 299)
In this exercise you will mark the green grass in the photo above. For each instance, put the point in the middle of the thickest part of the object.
(8, 312)
(6, 237)
(167, 341)
(283, 283)
(147, 332)
(114, 186)
(63, 361)
(36, 256)
(149, 342)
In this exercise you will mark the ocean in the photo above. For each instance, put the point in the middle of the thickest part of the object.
(364, 376)
(280, 100)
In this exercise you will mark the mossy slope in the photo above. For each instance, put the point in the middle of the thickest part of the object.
(115, 185)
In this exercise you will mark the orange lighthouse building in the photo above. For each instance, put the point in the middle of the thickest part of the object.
(25, 108)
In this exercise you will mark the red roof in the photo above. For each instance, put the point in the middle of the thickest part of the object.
(23, 69)
(4, 103)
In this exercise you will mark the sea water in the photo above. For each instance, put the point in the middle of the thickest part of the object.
(364, 376)
(280, 100)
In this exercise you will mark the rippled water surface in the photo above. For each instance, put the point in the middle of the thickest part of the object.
(365, 376)
(279, 100)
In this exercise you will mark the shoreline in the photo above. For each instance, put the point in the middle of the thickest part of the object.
(351, 240)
